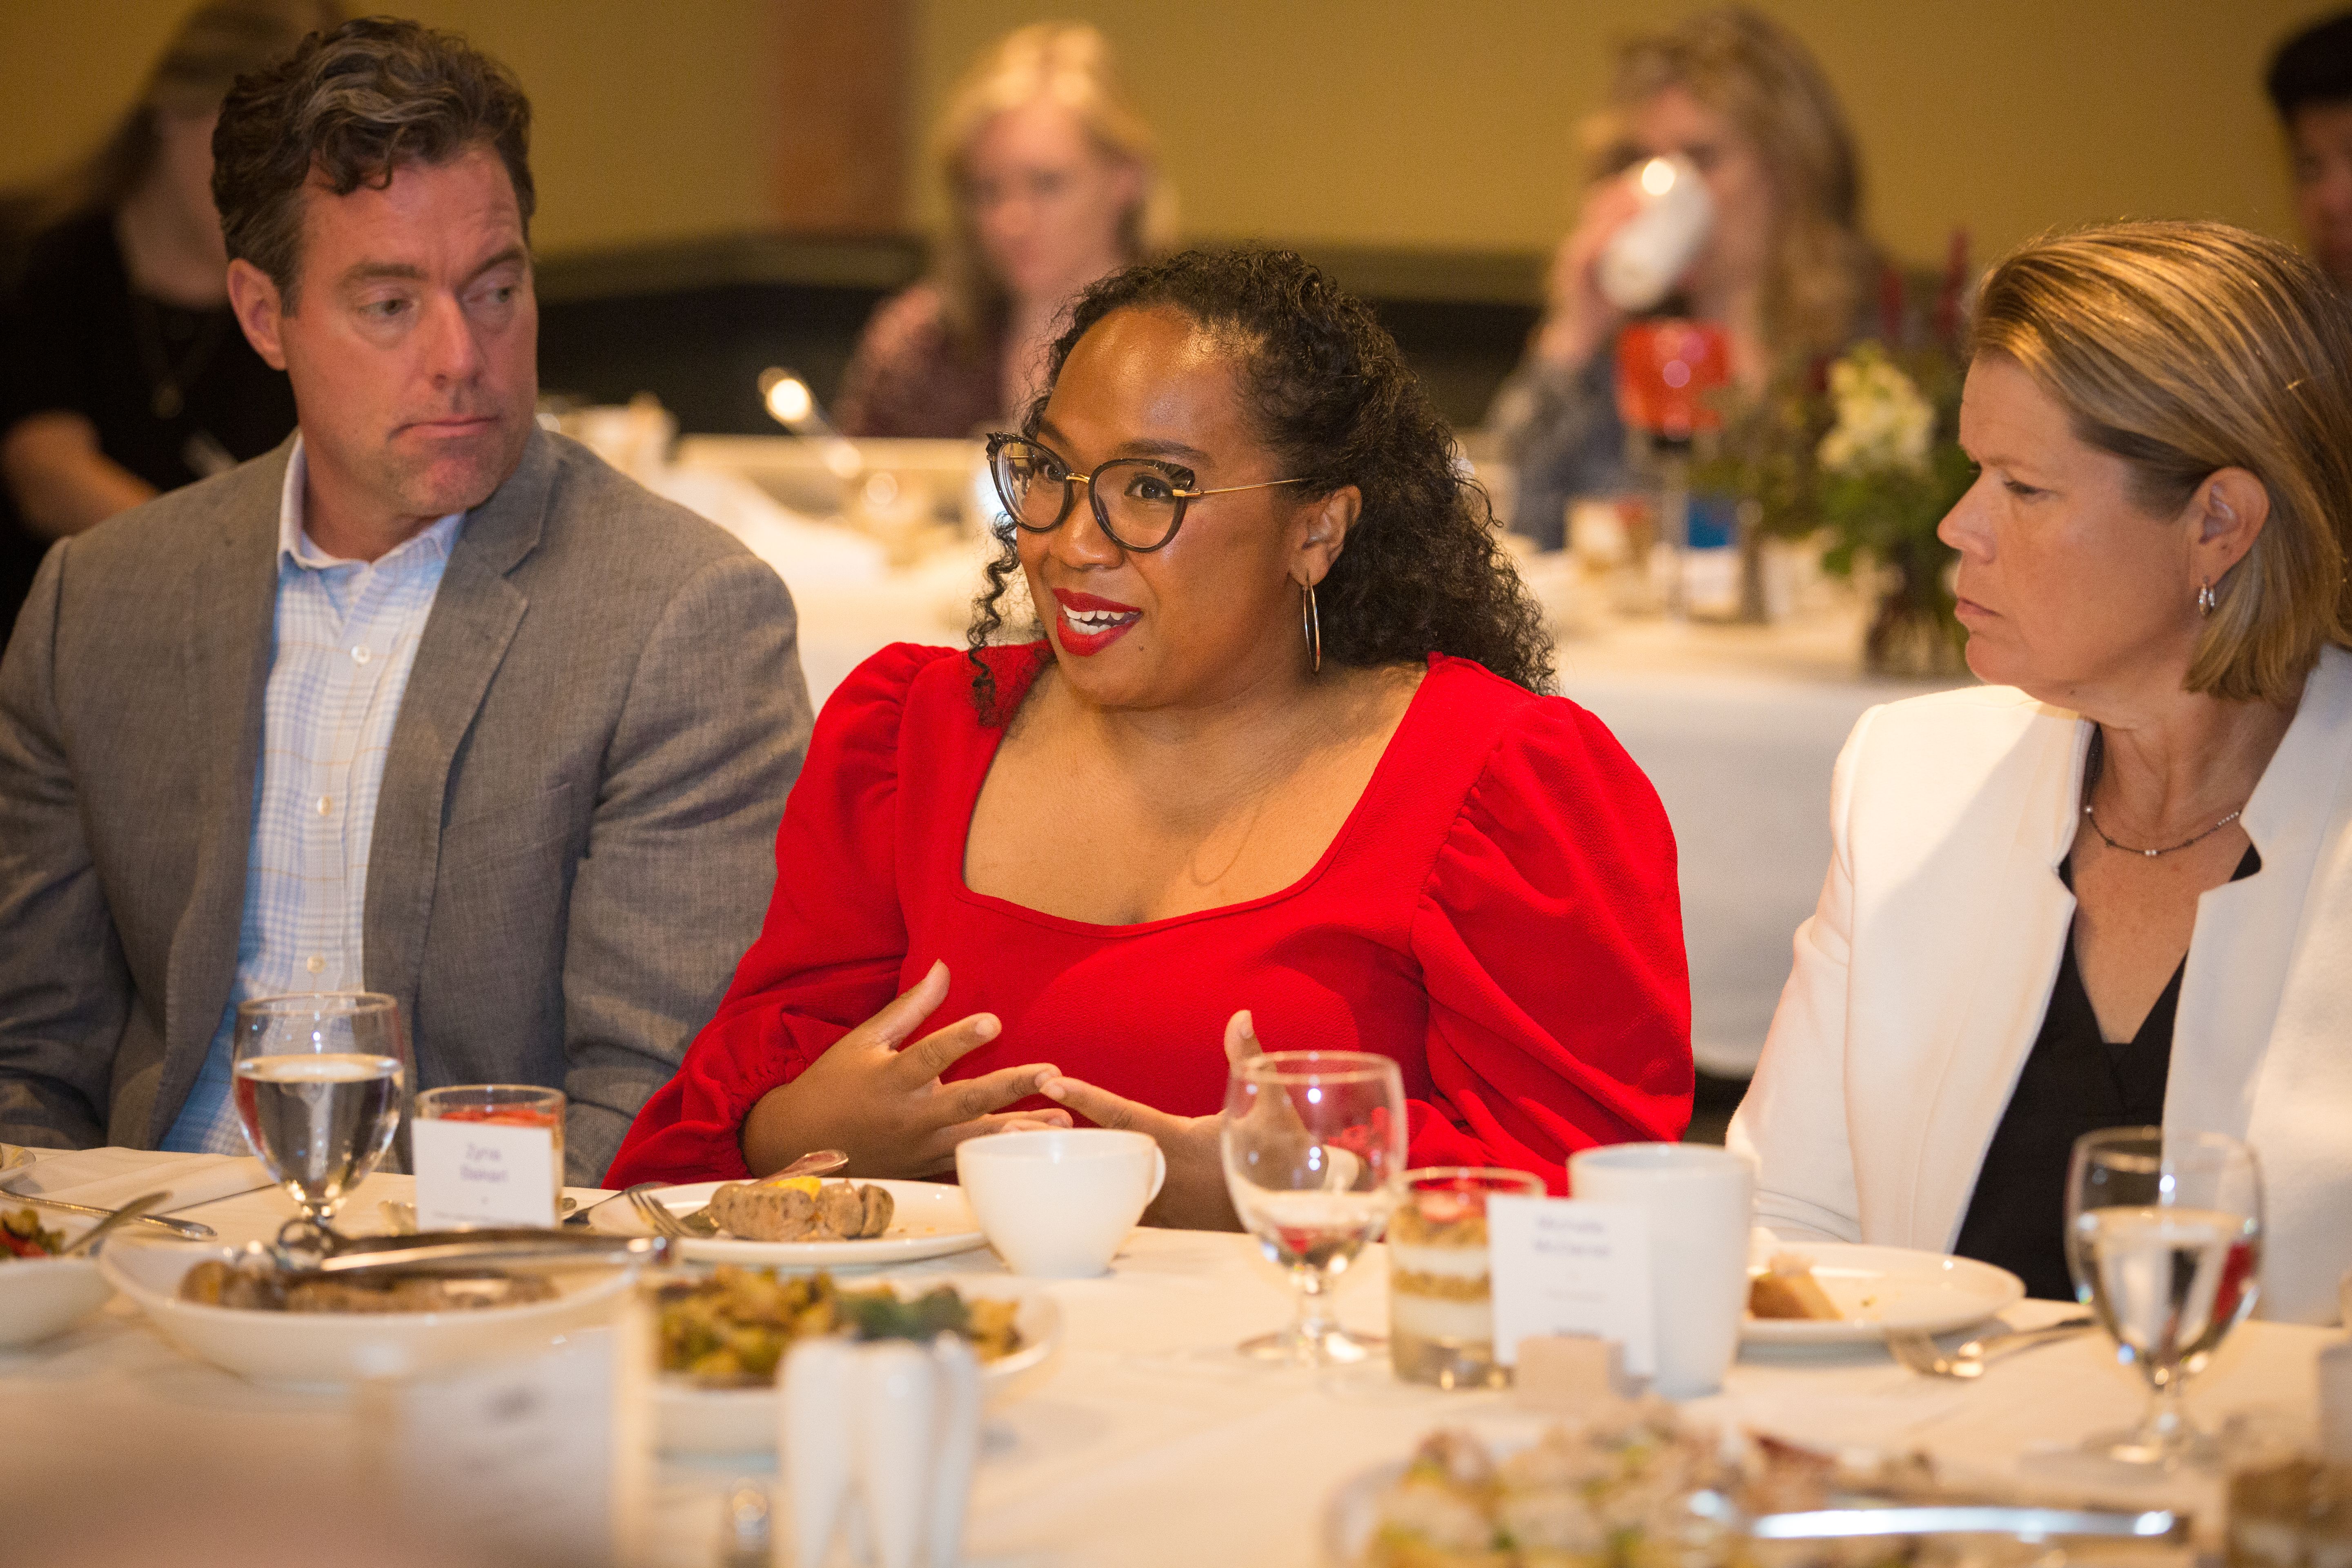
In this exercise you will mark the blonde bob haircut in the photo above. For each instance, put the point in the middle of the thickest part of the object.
(1758, 76)
(1069, 63)
(2185, 348)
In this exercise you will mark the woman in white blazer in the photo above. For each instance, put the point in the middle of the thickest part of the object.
(2114, 885)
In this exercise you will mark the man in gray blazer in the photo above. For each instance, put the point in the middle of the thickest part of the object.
(428, 701)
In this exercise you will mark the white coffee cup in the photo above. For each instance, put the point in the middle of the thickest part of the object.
(1698, 1200)
(1057, 1204)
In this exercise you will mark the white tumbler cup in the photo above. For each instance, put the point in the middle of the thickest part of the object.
(1646, 258)
(1698, 1200)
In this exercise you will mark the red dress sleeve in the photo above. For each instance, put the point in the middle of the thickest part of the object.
(829, 954)
(1550, 935)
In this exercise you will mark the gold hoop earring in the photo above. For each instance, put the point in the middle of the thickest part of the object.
(2207, 598)
(1310, 623)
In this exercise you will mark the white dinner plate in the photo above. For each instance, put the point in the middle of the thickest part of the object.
(323, 1349)
(689, 1419)
(1880, 1288)
(930, 1220)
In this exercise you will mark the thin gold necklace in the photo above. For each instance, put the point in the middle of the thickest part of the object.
(2096, 766)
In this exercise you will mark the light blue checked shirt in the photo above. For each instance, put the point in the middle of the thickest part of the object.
(345, 639)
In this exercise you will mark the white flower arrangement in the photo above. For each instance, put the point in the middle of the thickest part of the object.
(1884, 421)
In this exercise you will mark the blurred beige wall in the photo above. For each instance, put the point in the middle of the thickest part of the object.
(1429, 125)
(650, 121)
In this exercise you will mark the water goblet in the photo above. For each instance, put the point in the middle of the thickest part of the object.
(322, 1082)
(2164, 1240)
(1313, 1144)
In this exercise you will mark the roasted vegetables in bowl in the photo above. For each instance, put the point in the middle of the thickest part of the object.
(722, 1335)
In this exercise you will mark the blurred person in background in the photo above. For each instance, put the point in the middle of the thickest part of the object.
(1052, 182)
(123, 373)
(1785, 271)
(2310, 85)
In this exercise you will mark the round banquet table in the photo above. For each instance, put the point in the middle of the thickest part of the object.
(1151, 1442)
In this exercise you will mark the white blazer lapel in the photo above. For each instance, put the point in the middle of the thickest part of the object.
(2246, 937)
(2259, 1051)
(2022, 913)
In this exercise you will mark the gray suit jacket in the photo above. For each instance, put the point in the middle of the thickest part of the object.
(573, 844)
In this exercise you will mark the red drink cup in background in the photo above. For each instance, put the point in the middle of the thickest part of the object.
(1666, 371)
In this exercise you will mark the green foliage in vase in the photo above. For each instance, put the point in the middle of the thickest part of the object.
(1869, 457)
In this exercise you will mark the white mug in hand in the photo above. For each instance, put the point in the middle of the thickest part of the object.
(1646, 258)
(1698, 1200)
(1058, 1203)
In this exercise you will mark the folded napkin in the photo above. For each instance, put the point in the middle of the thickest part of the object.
(108, 1178)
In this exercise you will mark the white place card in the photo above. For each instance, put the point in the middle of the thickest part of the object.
(1570, 1266)
(544, 1454)
(482, 1174)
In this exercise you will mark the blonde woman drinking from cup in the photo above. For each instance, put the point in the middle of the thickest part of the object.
(2115, 885)
(1785, 270)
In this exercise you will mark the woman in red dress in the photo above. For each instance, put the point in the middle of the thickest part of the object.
(1279, 770)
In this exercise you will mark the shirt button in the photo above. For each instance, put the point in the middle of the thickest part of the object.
(361, 655)
(326, 804)
(317, 965)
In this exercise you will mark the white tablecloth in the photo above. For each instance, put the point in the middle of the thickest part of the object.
(1152, 1443)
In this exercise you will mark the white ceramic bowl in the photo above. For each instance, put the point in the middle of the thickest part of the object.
(40, 1297)
(331, 1349)
(692, 1420)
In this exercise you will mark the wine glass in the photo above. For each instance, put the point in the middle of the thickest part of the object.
(2164, 1240)
(322, 1082)
(1313, 1144)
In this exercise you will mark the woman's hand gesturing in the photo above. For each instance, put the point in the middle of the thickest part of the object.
(885, 1107)
(1194, 1195)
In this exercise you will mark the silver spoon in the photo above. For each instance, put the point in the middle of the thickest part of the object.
(119, 1217)
(187, 1227)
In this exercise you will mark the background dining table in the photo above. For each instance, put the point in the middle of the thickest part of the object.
(1149, 1440)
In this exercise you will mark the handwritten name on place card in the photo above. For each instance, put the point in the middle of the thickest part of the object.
(1569, 1266)
(483, 1173)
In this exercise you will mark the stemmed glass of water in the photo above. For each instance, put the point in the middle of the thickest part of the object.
(1313, 1142)
(2164, 1237)
(322, 1082)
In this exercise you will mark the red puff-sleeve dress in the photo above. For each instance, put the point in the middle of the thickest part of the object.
(1499, 914)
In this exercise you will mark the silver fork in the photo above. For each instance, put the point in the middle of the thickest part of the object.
(1922, 1354)
(657, 1215)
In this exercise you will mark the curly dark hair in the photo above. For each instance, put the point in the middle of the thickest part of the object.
(353, 104)
(1328, 392)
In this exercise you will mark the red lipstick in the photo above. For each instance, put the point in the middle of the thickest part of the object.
(1089, 622)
